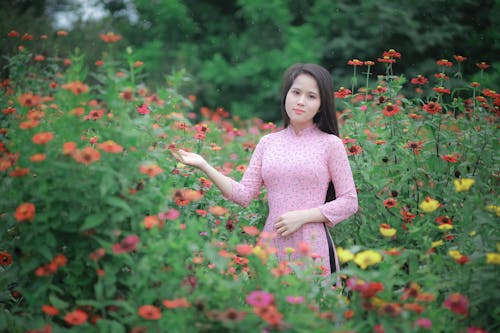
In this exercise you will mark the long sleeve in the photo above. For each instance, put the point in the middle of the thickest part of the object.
(346, 202)
(247, 189)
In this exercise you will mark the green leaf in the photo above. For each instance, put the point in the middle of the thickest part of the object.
(93, 221)
(119, 203)
(57, 302)
(111, 326)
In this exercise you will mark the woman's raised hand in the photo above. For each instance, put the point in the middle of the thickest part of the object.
(189, 158)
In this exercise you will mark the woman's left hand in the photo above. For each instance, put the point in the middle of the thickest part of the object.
(288, 223)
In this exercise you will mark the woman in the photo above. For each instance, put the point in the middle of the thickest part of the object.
(297, 165)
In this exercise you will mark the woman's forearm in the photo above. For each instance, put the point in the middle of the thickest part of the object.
(223, 183)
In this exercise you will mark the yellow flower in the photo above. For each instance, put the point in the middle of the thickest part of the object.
(367, 258)
(473, 233)
(437, 243)
(493, 209)
(429, 205)
(386, 230)
(455, 254)
(445, 226)
(493, 258)
(289, 250)
(260, 252)
(344, 255)
(463, 184)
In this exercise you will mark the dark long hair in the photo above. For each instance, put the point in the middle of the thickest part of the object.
(326, 118)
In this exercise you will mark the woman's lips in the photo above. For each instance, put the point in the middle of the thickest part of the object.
(298, 111)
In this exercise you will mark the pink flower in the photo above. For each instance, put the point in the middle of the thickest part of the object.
(128, 244)
(171, 214)
(423, 323)
(143, 109)
(259, 298)
(295, 299)
(473, 329)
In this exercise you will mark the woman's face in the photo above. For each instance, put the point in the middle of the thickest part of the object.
(302, 101)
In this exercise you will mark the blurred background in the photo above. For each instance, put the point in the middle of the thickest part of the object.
(235, 51)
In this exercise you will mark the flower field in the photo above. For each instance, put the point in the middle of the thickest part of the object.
(102, 230)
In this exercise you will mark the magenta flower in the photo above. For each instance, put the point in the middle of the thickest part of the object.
(143, 109)
(295, 299)
(259, 299)
(423, 323)
(171, 214)
(128, 244)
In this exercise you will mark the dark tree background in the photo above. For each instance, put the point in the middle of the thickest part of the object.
(235, 51)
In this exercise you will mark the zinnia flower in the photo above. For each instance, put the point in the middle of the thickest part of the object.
(386, 230)
(25, 211)
(344, 255)
(5, 258)
(259, 298)
(128, 244)
(149, 312)
(429, 205)
(493, 258)
(367, 258)
(457, 303)
(463, 184)
(77, 317)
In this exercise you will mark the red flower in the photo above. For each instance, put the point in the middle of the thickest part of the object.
(459, 58)
(25, 211)
(457, 303)
(150, 169)
(386, 60)
(176, 303)
(441, 90)
(50, 310)
(432, 107)
(482, 65)
(149, 312)
(390, 203)
(342, 92)
(420, 80)
(355, 62)
(354, 150)
(453, 158)
(392, 53)
(13, 34)
(143, 109)
(415, 146)
(110, 37)
(110, 146)
(441, 76)
(390, 110)
(444, 62)
(5, 258)
(77, 317)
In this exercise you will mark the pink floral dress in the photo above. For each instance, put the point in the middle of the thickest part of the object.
(296, 170)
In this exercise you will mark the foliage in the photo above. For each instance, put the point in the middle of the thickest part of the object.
(101, 230)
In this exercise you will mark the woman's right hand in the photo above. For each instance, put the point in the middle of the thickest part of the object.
(189, 158)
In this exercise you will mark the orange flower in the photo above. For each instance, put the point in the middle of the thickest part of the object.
(77, 317)
(459, 58)
(218, 210)
(50, 310)
(444, 62)
(87, 155)
(76, 87)
(355, 62)
(25, 211)
(110, 37)
(37, 158)
(28, 124)
(150, 169)
(138, 64)
(29, 100)
(62, 33)
(60, 260)
(152, 221)
(176, 303)
(39, 58)
(77, 111)
(390, 110)
(110, 146)
(69, 148)
(149, 312)
(42, 138)
(251, 230)
(19, 172)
